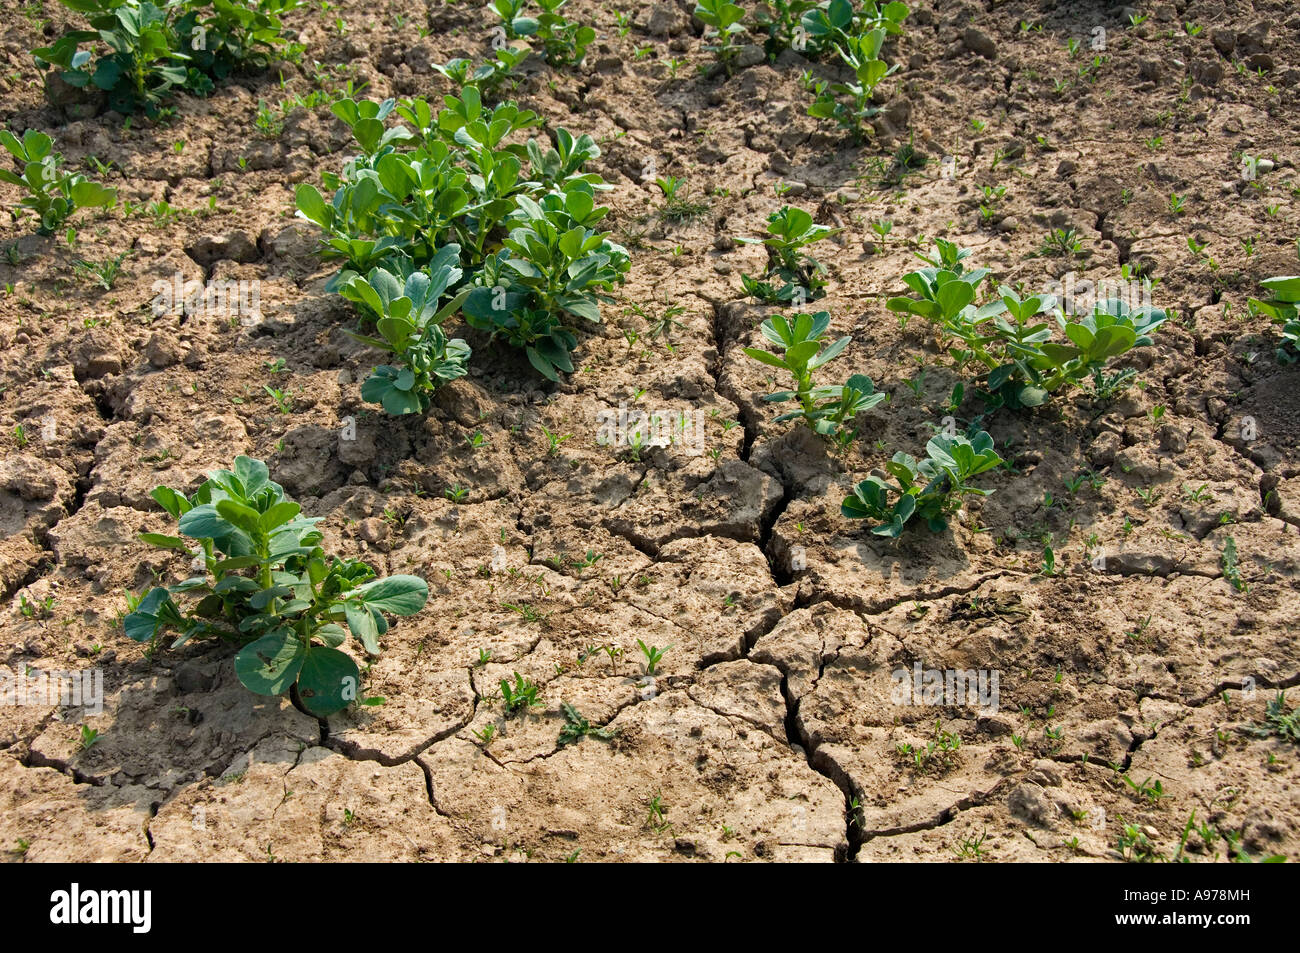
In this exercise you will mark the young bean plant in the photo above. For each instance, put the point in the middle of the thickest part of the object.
(53, 195)
(931, 489)
(1020, 361)
(155, 49)
(262, 581)
(792, 274)
(849, 103)
(522, 216)
(799, 340)
(408, 318)
(1283, 307)
(725, 27)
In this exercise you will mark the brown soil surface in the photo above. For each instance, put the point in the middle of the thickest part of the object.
(769, 732)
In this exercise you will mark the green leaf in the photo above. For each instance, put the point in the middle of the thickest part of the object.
(243, 517)
(362, 625)
(278, 515)
(765, 357)
(164, 542)
(400, 595)
(327, 681)
(272, 663)
(142, 624)
(311, 204)
(202, 522)
(253, 474)
(1284, 288)
(171, 501)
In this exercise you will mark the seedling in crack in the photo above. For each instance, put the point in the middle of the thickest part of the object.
(931, 489)
(554, 440)
(576, 727)
(520, 697)
(677, 208)
(825, 409)
(653, 656)
(1228, 562)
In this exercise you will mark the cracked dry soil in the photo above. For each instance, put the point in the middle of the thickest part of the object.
(770, 732)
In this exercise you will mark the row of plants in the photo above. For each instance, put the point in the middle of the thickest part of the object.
(563, 42)
(140, 54)
(443, 212)
(816, 30)
(1019, 351)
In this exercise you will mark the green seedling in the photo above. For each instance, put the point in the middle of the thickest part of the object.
(52, 194)
(931, 489)
(576, 727)
(725, 28)
(849, 104)
(799, 340)
(1279, 721)
(1282, 307)
(263, 581)
(653, 655)
(552, 267)
(790, 231)
(154, 50)
(408, 318)
(1228, 562)
(520, 697)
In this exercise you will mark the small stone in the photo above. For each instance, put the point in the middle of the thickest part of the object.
(665, 20)
(31, 478)
(1102, 450)
(1172, 439)
(161, 351)
(977, 41)
(1028, 803)
(373, 530)
(235, 246)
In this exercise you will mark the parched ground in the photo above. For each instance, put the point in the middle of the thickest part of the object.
(769, 732)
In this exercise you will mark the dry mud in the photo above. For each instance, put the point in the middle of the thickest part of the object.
(770, 732)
